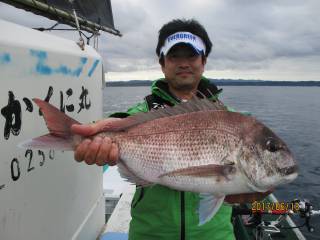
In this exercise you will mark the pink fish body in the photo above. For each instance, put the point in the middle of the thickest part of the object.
(196, 146)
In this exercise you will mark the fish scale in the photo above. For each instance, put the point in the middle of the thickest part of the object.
(175, 150)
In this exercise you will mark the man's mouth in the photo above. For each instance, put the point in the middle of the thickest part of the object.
(184, 73)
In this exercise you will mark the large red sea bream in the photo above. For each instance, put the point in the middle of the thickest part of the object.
(195, 146)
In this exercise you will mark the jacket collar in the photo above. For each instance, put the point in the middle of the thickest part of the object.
(160, 88)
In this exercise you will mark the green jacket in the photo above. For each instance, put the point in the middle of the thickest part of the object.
(159, 212)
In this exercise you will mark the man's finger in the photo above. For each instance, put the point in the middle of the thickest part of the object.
(104, 151)
(93, 149)
(81, 149)
(114, 154)
(93, 128)
(83, 130)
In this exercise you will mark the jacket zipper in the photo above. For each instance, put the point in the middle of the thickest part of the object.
(139, 198)
(183, 217)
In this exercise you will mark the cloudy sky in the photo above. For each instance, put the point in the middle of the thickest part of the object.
(252, 39)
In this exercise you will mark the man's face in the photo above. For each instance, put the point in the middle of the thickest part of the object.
(183, 67)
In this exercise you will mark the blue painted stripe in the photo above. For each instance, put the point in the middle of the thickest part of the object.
(41, 67)
(114, 236)
(5, 58)
(44, 69)
(95, 64)
(78, 71)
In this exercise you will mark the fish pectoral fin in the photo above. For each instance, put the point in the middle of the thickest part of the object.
(204, 171)
(208, 206)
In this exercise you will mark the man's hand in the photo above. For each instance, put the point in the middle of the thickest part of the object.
(97, 150)
(246, 197)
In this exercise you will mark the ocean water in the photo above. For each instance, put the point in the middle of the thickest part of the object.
(292, 112)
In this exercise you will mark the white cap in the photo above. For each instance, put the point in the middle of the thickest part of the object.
(183, 37)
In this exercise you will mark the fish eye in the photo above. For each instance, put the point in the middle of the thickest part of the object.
(271, 145)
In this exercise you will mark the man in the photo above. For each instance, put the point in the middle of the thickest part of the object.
(159, 212)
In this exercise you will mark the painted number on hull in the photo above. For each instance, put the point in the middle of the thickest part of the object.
(32, 158)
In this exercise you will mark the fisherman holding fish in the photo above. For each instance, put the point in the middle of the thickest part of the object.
(173, 201)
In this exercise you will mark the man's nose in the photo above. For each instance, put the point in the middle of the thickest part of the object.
(183, 63)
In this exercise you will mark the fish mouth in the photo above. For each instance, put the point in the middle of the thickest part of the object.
(285, 175)
(289, 170)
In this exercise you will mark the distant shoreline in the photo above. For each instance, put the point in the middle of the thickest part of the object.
(224, 82)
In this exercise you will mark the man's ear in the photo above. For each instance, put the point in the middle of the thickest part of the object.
(161, 60)
(204, 60)
(162, 67)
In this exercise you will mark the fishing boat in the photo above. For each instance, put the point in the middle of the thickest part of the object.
(46, 194)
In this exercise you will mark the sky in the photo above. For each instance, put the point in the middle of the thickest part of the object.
(252, 39)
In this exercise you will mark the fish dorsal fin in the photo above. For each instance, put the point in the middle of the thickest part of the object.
(194, 105)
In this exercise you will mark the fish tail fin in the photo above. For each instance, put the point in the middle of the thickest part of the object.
(59, 126)
(48, 141)
(58, 123)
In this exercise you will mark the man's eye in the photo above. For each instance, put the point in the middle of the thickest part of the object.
(172, 56)
(192, 55)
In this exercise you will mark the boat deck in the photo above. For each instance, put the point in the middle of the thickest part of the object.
(117, 226)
